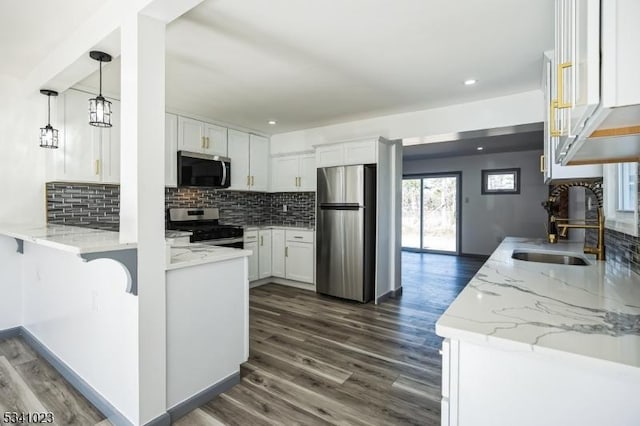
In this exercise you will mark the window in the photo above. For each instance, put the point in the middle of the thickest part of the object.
(501, 181)
(621, 197)
(627, 190)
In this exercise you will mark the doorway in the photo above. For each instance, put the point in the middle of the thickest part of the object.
(431, 213)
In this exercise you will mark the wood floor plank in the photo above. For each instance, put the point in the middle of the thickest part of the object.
(198, 418)
(429, 390)
(17, 351)
(57, 395)
(15, 394)
(230, 413)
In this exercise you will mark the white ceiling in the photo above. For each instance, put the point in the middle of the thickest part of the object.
(30, 29)
(308, 63)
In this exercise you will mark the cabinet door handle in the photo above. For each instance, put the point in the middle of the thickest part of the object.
(286, 252)
(97, 167)
(542, 164)
(561, 103)
(248, 180)
(252, 180)
(208, 144)
(261, 240)
(202, 142)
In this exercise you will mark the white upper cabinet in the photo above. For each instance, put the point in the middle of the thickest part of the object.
(239, 155)
(347, 153)
(86, 153)
(171, 149)
(293, 173)
(596, 93)
(550, 169)
(249, 156)
(259, 163)
(198, 136)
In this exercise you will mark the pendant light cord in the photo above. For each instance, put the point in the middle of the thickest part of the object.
(100, 77)
(49, 110)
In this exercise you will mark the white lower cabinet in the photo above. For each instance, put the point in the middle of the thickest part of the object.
(251, 243)
(281, 253)
(277, 253)
(299, 255)
(264, 253)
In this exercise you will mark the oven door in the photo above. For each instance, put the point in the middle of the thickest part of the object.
(195, 169)
(228, 242)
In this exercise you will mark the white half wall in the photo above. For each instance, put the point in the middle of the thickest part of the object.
(487, 219)
(521, 108)
(82, 313)
(10, 284)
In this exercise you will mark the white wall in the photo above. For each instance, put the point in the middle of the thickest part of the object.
(521, 108)
(22, 162)
(83, 314)
(486, 219)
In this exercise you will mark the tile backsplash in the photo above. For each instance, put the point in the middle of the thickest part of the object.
(98, 206)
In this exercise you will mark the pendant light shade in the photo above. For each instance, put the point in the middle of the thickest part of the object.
(48, 135)
(99, 107)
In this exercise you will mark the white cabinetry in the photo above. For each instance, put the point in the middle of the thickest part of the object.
(198, 136)
(548, 166)
(249, 161)
(596, 94)
(87, 153)
(251, 243)
(277, 253)
(347, 153)
(293, 173)
(170, 150)
(299, 255)
(264, 253)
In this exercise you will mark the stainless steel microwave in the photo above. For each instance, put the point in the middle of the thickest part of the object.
(195, 169)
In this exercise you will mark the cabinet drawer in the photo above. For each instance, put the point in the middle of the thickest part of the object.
(299, 236)
(250, 236)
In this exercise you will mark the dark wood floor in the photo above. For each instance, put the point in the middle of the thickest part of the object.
(28, 384)
(313, 359)
(319, 360)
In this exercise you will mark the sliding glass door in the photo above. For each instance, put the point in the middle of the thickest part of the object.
(430, 220)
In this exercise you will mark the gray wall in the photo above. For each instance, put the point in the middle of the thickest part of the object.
(487, 219)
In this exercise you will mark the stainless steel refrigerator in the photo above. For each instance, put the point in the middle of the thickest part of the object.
(346, 232)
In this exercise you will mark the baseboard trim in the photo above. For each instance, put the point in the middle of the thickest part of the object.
(9, 333)
(109, 411)
(162, 420)
(201, 398)
(296, 284)
(475, 256)
(391, 294)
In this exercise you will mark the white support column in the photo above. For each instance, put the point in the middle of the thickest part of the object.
(142, 197)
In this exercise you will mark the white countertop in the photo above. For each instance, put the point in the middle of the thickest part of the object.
(171, 234)
(285, 227)
(73, 239)
(187, 255)
(592, 311)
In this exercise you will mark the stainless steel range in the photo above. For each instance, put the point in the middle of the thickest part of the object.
(205, 226)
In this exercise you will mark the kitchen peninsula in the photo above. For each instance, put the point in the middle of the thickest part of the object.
(71, 293)
(532, 343)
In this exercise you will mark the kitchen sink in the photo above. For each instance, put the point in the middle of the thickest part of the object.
(547, 257)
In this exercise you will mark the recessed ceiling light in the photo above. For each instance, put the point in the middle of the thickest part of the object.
(480, 148)
(273, 122)
(470, 82)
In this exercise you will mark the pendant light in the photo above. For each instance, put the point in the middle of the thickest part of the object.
(48, 135)
(99, 107)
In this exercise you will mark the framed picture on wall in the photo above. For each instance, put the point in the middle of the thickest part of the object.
(501, 181)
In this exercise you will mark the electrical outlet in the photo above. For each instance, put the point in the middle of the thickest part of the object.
(284, 208)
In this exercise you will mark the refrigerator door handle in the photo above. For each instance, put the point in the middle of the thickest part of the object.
(340, 206)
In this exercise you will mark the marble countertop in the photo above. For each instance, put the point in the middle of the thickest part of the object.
(176, 234)
(591, 311)
(187, 255)
(73, 239)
